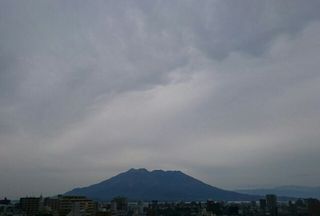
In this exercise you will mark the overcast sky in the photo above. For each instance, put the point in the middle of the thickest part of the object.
(225, 91)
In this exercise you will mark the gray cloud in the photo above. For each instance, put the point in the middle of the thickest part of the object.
(226, 91)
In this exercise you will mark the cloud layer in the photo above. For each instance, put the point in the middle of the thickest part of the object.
(225, 91)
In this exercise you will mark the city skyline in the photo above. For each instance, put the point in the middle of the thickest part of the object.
(224, 91)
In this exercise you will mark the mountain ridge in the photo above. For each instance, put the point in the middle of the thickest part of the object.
(286, 190)
(170, 185)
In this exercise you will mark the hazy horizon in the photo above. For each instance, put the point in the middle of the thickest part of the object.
(240, 190)
(225, 91)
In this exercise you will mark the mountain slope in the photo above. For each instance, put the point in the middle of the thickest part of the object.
(289, 191)
(140, 184)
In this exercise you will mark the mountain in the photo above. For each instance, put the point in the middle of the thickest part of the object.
(141, 184)
(288, 191)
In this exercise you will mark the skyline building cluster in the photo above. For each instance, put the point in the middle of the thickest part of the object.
(63, 205)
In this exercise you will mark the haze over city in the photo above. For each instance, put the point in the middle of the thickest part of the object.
(225, 91)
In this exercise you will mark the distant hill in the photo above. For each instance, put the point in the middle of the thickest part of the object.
(141, 184)
(288, 191)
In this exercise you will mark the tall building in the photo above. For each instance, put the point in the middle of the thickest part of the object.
(313, 207)
(271, 201)
(51, 203)
(119, 206)
(263, 204)
(30, 205)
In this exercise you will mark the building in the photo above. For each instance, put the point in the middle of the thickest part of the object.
(51, 205)
(263, 204)
(119, 206)
(313, 207)
(30, 205)
(5, 201)
(76, 205)
(271, 201)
